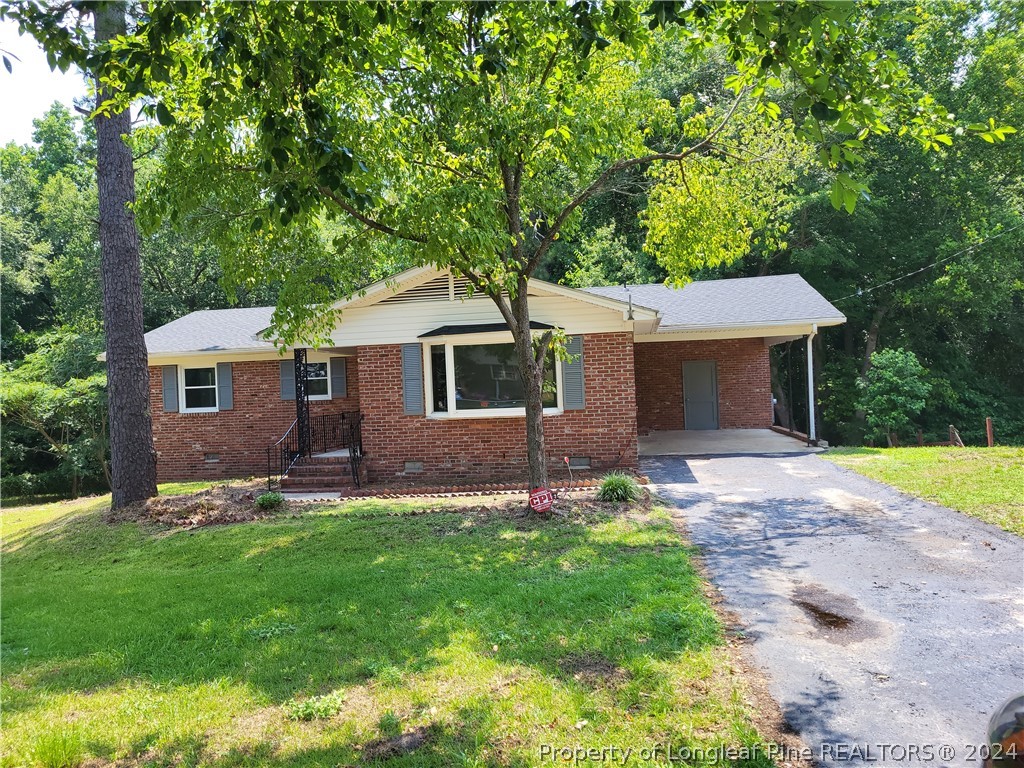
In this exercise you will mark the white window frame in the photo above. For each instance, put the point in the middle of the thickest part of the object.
(327, 367)
(473, 340)
(181, 389)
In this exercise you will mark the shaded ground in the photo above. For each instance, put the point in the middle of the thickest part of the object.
(878, 619)
(719, 442)
(986, 483)
(370, 631)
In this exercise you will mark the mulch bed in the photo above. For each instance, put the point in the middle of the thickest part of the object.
(229, 503)
(217, 505)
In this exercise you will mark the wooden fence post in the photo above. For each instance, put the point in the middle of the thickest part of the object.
(954, 437)
(988, 431)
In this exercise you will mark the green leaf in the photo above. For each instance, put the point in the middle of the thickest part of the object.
(836, 195)
(163, 114)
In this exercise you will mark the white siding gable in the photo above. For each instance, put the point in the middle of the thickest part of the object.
(404, 321)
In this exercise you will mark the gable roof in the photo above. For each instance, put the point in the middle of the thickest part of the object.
(743, 301)
(213, 330)
(426, 278)
(748, 302)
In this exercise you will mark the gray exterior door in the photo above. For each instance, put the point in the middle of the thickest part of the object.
(700, 394)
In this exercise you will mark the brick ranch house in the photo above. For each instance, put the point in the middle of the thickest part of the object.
(420, 380)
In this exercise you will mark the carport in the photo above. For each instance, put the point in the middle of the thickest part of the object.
(703, 373)
(720, 442)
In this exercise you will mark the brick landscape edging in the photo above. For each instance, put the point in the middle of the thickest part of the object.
(442, 491)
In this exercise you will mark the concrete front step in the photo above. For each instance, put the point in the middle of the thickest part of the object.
(335, 482)
(319, 470)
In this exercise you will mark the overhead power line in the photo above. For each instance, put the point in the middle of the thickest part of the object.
(968, 249)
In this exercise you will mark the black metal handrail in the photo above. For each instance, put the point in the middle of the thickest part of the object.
(355, 445)
(327, 432)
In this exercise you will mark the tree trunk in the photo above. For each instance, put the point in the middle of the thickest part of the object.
(132, 455)
(870, 345)
(871, 341)
(531, 366)
(782, 415)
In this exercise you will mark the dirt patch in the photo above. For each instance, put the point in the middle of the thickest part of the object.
(836, 618)
(402, 744)
(217, 505)
(593, 670)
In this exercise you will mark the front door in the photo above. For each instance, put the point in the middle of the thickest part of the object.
(700, 394)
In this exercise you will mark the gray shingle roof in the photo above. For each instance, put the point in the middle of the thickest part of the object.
(212, 330)
(774, 300)
(771, 300)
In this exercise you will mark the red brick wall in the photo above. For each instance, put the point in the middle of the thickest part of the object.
(744, 382)
(496, 448)
(240, 436)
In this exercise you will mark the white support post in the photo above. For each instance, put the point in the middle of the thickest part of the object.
(811, 432)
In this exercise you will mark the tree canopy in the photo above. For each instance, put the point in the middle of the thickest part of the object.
(298, 151)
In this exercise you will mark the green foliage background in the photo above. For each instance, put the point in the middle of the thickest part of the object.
(906, 268)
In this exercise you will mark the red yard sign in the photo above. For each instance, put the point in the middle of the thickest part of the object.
(541, 499)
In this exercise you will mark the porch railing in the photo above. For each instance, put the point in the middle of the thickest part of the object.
(328, 432)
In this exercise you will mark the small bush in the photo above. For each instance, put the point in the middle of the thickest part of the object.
(59, 748)
(269, 500)
(316, 708)
(618, 487)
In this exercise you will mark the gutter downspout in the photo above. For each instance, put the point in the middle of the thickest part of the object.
(812, 437)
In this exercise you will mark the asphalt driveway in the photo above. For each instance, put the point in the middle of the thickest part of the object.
(878, 619)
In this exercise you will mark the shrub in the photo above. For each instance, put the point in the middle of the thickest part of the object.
(894, 391)
(59, 748)
(269, 500)
(316, 708)
(618, 487)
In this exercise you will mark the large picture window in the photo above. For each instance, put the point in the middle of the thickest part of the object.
(200, 389)
(484, 378)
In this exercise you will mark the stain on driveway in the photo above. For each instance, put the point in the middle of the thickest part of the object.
(879, 619)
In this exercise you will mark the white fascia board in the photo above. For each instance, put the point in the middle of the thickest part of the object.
(749, 331)
(808, 322)
(238, 356)
(219, 355)
(595, 299)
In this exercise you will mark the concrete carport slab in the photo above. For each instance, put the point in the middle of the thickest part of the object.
(720, 442)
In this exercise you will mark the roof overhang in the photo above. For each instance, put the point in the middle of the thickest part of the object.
(461, 330)
(776, 332)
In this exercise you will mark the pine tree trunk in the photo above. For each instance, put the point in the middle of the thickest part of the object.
(132, 455)
(532, 370)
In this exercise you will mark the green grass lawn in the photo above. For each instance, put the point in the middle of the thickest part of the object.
(987, 483)
(494, 634)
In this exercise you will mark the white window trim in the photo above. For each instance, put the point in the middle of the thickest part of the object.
(181, 389)
(327, 367)
(472, 340)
